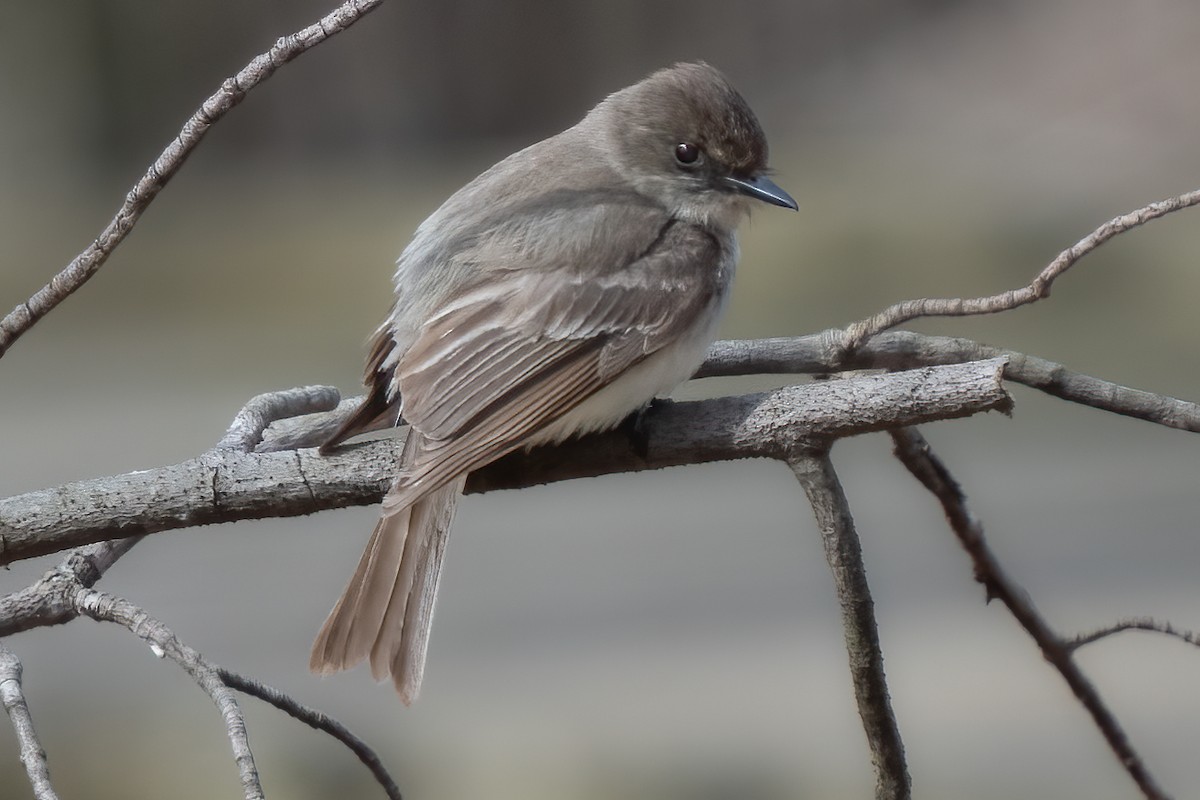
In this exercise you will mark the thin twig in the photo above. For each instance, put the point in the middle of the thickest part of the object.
(843, 551)
(318, 720)
(1135, 624)
(12, 696)
(821, 353)
(914, 452)
(87, 263)
(859, 332)
(163, 642)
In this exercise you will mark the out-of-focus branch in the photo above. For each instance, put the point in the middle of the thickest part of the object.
(227, 485)
(12, 696)
(1137, 624)
(87, 263)
(914, 452)
(843, 551)
(856, 334)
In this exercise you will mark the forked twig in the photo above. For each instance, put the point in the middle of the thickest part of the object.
(914, 452)
(105, 607)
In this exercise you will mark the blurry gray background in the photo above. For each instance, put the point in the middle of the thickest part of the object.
(671, 635)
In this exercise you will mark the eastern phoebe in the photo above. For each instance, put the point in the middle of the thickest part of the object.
(554, 295)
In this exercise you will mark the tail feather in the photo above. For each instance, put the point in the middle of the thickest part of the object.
(410, 611)
(385, 612)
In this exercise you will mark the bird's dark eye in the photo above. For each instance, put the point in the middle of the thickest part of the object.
(687, 153)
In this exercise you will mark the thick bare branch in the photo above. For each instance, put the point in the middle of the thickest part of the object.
(87, 263)
(859, 332)
(843, 551)
(222, 486)
(914, 452)
(12, 696)
(50, 600)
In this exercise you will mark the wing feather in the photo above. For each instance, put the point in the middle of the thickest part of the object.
(498, 363)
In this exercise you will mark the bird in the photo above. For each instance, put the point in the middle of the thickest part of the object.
(555, 295)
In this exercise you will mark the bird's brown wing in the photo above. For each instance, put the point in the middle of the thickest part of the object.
(502, 360)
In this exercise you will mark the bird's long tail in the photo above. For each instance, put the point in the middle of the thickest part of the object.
(385, 612)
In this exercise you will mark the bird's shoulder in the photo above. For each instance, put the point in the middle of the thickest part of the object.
(558, 204)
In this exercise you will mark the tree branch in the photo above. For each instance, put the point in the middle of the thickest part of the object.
(821, 353)
(245, 433)
(64, 593)
(12, 696)
(914, 452)
(843, 551)
(105, 607)
(318, 720)
(859, 332)
(1137, 624)
(87, 263)
(50, 600)
(227, 485)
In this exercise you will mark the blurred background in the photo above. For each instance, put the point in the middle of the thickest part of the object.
(672, 635)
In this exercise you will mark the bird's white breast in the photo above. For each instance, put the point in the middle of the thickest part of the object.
(657, 375)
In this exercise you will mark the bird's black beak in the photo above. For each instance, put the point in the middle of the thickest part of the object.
(762, 188)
